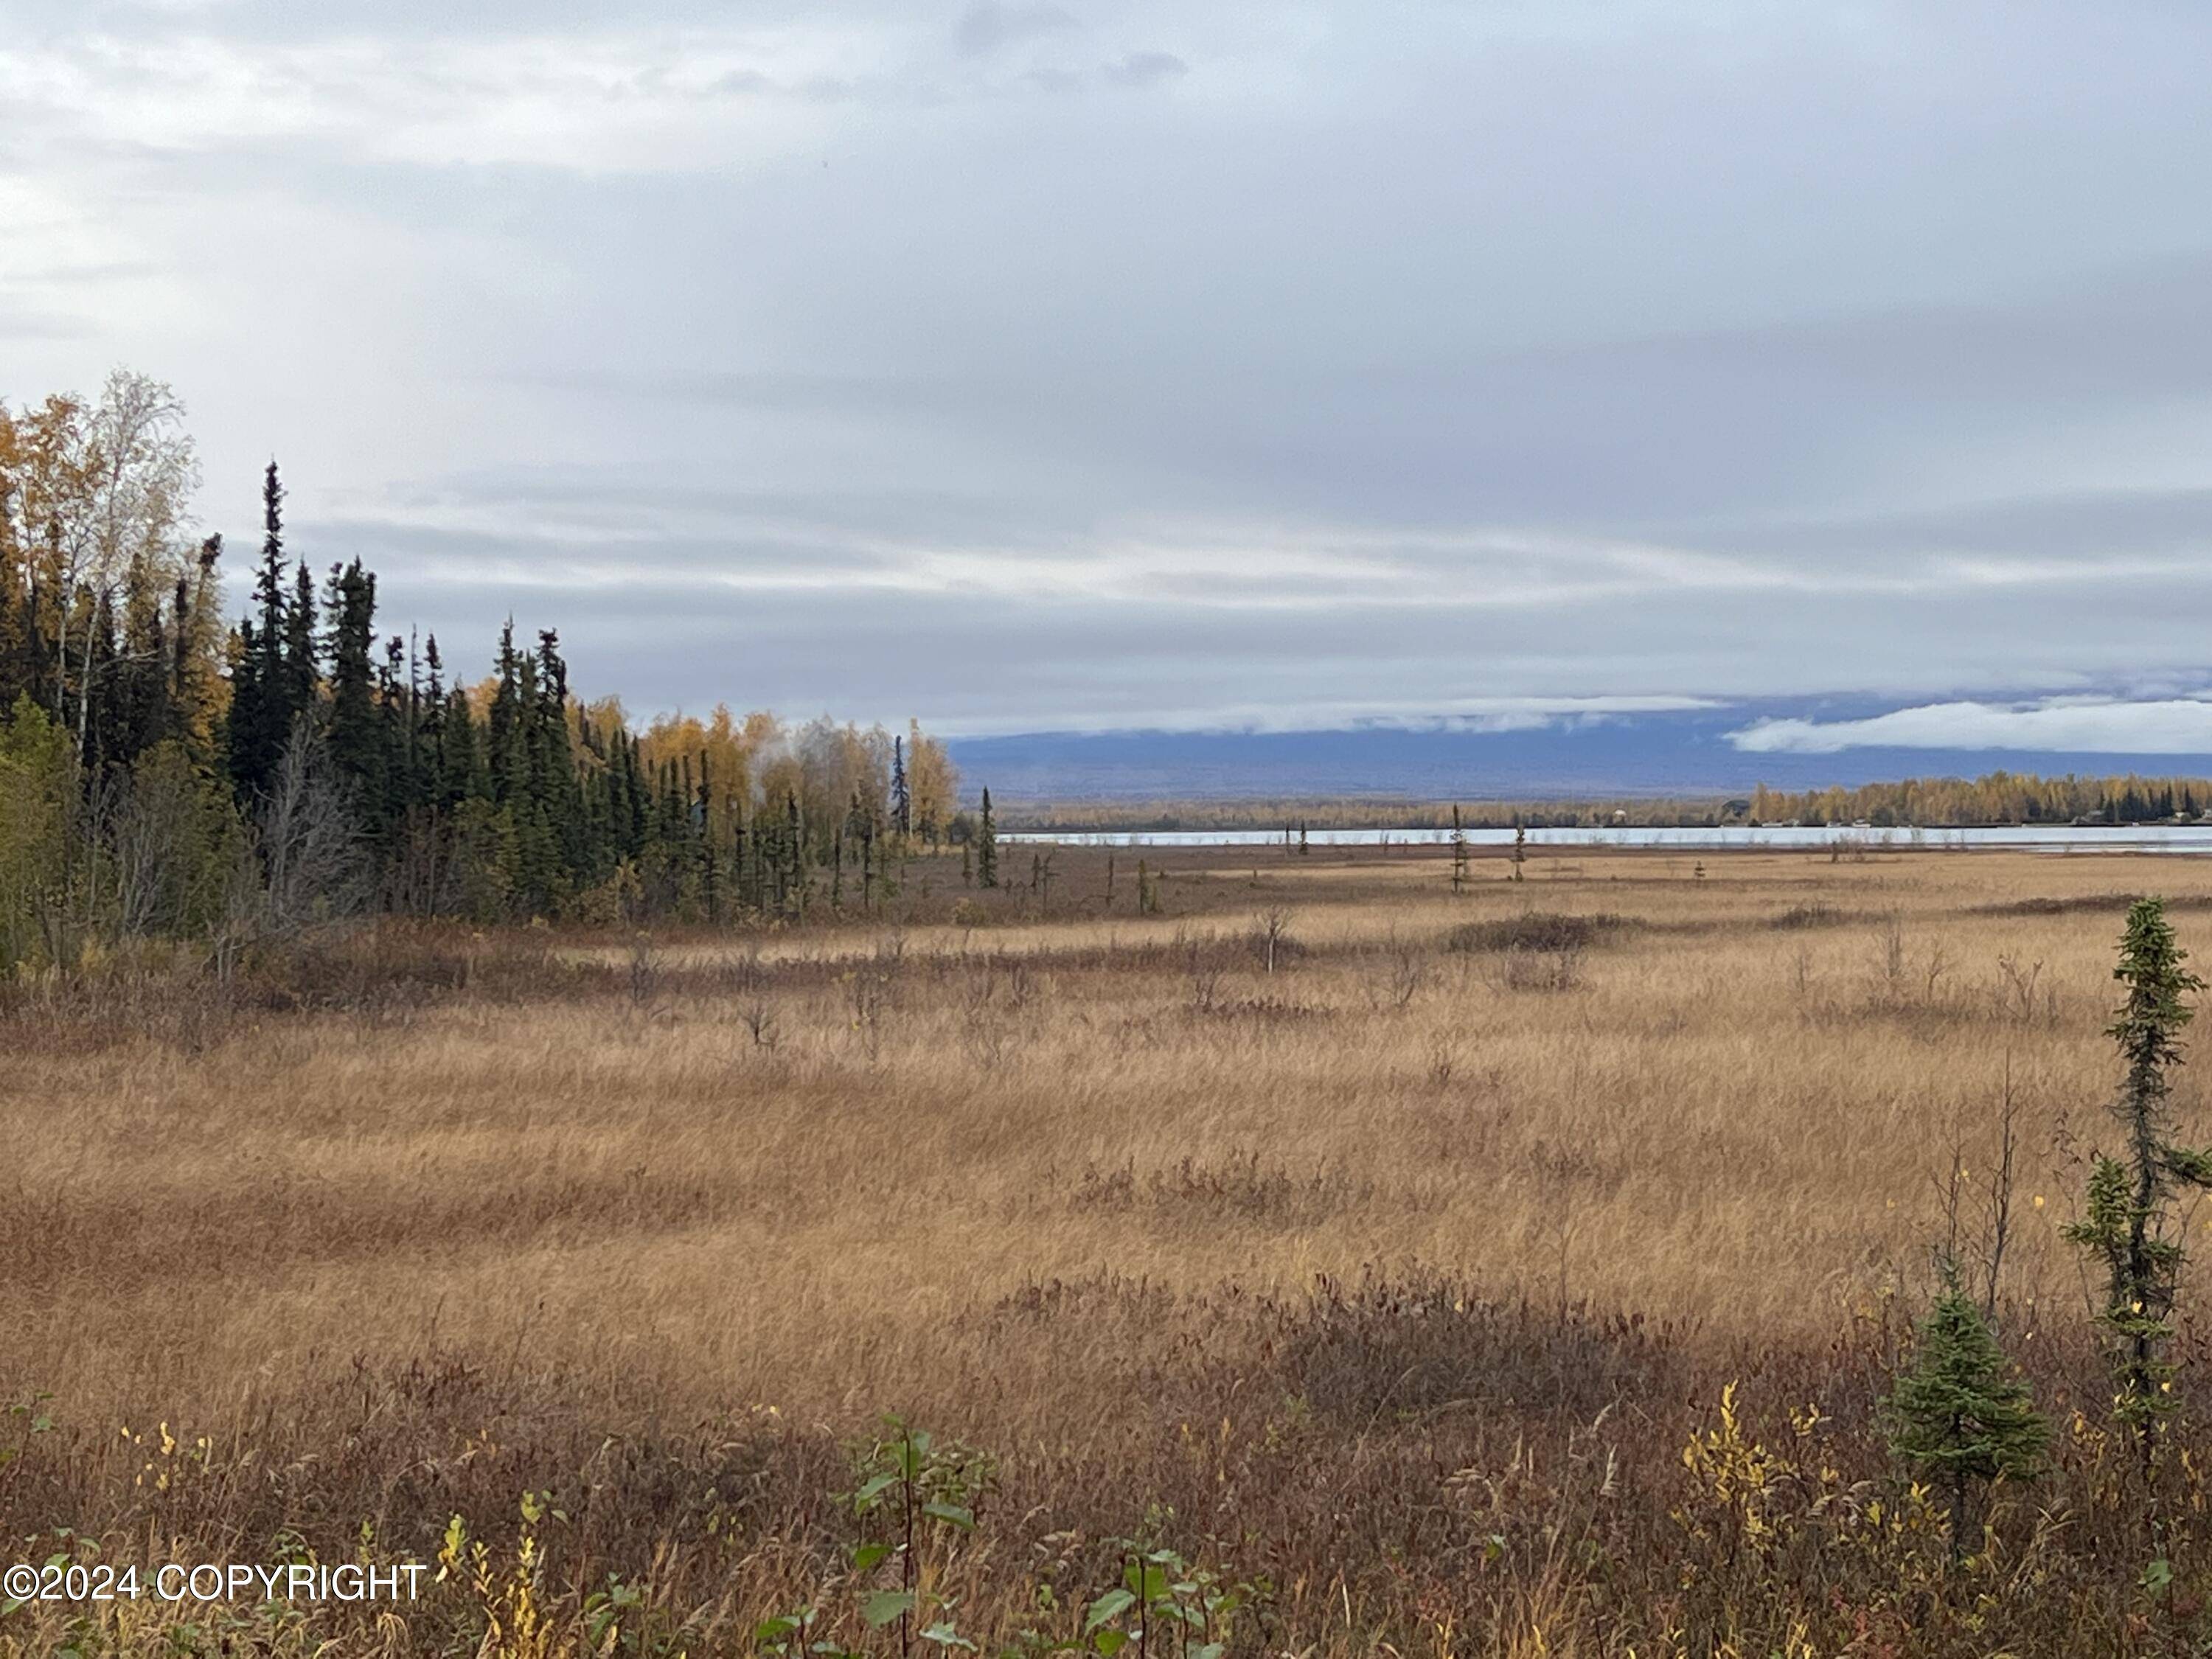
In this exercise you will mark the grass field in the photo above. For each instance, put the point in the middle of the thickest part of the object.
(1390, 1278)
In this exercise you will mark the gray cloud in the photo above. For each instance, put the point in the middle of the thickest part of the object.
(988, 24)
(794, 623)
(2177, 726)
(26, 324)
(852, 354)
(1146, 68)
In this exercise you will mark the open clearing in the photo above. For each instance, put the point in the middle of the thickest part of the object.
(654, 1225)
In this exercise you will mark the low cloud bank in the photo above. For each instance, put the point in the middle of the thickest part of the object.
(2174, 725)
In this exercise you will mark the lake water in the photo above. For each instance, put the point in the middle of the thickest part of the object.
(2045, 837)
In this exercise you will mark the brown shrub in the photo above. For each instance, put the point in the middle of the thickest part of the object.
(1536, 930)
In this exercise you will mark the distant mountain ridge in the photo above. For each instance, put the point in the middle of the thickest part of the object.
(1686, 753)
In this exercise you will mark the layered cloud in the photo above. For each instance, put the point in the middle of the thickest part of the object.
(2171, 726)
(1072, 366)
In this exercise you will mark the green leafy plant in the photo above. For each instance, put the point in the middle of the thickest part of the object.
(786, 1635)
(26, 1417)
(921, 1486)
(619, 1619)
(1190, 1609)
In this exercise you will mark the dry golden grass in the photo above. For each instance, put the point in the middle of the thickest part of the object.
(820, 1171)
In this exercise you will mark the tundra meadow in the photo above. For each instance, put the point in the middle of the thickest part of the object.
(1347, 1252)
(1023, 830)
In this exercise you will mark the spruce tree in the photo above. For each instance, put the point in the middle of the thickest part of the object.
(395, 735)
(636, 828)
(433, 730)
(1961, 1416)
(987, 847)
(2128, 1226)
(259, 722)
(553, 766)
(506, 744)
(793, 881)
(411, 758)
(140, 710)
(463, 770)
(534, 868)
(300, 676)
(710, 885)
(97, 737)
(356, 736)
(119, 659)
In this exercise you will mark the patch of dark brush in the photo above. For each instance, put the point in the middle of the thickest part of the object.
(2117, 904)
(1798, 917)
(1274, 1011)
(1538, 930)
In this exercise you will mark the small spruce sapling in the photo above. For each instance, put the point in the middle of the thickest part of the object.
(1960, 1415)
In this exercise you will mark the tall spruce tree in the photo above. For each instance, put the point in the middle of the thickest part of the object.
(794, 883)
(259, 722)
(395, 745)
(464, 767)
(139, 708)
(507, 740)
(2128, 1225)
(986, 845)
(710, 869)
(555, 783)
(434, 725)
(902, 796)
(301, 674)
(357, 736)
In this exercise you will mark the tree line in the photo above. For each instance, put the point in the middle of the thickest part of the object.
(1164, 816)
(167, 771)
(1997, 798)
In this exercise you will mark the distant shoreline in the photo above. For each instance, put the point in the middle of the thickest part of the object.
(1927, 805)
(1853, 838)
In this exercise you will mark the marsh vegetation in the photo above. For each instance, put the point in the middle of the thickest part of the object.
(1319, 1261)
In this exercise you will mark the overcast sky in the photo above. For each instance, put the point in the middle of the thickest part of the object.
(1025, 366)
